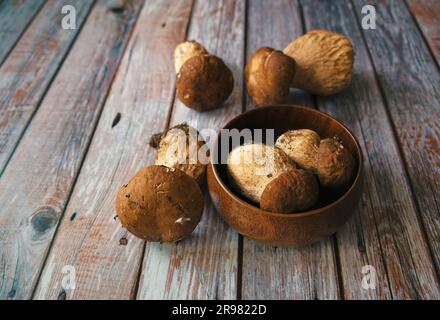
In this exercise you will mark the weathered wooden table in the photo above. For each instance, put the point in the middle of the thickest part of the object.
(78, 106)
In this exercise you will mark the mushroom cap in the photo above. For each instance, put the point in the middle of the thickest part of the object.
(268, 75)
(324, 62)
(204, 82)
(301, 146)
(292, 191)
(251, 167)
(160, 204)
(335, 164)
(179, 148)
(185, 51)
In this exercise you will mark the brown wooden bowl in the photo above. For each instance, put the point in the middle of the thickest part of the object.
(334, 206)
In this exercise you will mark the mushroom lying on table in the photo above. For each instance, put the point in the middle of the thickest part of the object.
(204, 82)
(160, 204)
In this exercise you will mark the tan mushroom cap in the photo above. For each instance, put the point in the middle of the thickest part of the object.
(268, 76)
(179, 148)
(185, 51)
(335, 164)
(301, 146)
(204, 82)
(160, 204)
(294, 190)
(324, 62)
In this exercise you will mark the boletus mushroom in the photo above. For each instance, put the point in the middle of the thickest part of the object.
(204, 81)
(183, 148)
(160, 204)
(186, 50)
(301, 146)
(324, 62)
(251, 167)
(294, 190)
(334, 164)
(268, 76)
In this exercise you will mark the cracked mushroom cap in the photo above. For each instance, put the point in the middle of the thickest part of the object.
(335, 164)
(294, 190)
(160, 204)
(301, 146)
(180, 148)
(204, 82)
(251, 167)
(185, 51)
(324, 62)
(268, 76)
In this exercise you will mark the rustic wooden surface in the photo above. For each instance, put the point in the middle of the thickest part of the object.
(77, 108)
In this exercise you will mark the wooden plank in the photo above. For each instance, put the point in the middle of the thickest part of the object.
(205, 265)
(142, 94)
(410, 81)
(36, 185)
(15, 16)
(427, 13)
(29, 70)
(385, 232)
(284, 273)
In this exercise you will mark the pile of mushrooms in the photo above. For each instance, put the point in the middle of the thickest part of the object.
(285, 178)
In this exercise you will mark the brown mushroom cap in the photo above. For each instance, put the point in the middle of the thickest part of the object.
(301, 146)
(268, 76)
(292, 191)
(179, 148)
(204, 82)
(185, 51)
(160, 204)
(335, 164)
(324, 62)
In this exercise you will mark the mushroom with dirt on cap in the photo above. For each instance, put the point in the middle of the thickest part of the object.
(160, 204)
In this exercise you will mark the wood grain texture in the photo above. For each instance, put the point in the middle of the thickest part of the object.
(385, 233)
(410, 81)
(30, 68)
(205, 265)
(427, 13)
(284, 273)
(35, 188)
(15, 16)
(106, 266)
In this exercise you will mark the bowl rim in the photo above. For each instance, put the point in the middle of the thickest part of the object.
(301, 214)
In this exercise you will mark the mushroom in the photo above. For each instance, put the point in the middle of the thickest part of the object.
(182, 147)
(268, 76)
(328, 158)
(335, 165)
(186, 50)
(292, 191)
(160, 204)
(301, 146)
(324, 62)
(251, 167)
(204, 82)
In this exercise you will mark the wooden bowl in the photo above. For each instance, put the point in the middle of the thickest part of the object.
(333, 208)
